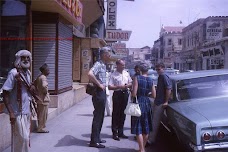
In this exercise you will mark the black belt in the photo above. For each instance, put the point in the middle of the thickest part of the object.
(121, 91)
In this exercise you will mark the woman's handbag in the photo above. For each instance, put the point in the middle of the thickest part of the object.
(91, 89)
(132, 108)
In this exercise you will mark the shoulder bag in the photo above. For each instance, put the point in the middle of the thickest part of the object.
(91, 88)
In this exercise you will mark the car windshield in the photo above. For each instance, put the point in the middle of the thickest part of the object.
(203, 87)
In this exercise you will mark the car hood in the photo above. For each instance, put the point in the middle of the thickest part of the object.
(213, 109)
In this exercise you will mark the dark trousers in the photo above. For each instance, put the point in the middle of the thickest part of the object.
(120, 99)
(99, 101)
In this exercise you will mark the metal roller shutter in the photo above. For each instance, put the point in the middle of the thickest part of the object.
(44, 46)
(65, 56)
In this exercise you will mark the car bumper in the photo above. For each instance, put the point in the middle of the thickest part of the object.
(211, 146)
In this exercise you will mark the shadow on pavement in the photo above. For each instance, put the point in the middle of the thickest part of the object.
(69, 140)
(102, 135)
(86, 115)
(117, 149)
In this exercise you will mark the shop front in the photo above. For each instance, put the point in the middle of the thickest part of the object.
(212, 57)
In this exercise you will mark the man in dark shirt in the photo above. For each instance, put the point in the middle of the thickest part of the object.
(163, 92)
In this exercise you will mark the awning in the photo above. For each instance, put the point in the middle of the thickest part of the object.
(92, 10)
(55, 6)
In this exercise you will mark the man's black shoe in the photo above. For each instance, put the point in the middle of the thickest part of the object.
(115, 137)
(102, 141)
(149, 144)
(96, 145)
(123, 136)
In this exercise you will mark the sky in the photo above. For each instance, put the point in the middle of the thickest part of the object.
(145, 17)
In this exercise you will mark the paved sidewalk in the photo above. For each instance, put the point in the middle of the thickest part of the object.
(70, 132)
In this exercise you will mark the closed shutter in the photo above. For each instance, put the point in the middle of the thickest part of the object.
(64, 56)
(44, 46)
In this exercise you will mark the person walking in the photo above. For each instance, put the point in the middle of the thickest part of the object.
(163, 92)
(142, 126)
(17, 100)
(41, 84)
(97, 75)
(120, 81)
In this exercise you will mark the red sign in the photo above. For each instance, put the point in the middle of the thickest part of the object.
(73, 7)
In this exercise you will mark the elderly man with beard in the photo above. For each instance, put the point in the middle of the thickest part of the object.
(17, 101)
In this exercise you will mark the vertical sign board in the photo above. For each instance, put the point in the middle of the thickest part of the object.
(214, 30)
(111, 14)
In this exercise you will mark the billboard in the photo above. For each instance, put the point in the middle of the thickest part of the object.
(214, 30)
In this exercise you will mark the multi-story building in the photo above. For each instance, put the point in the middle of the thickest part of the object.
(138, 56)
(205, 43)
(167, 47)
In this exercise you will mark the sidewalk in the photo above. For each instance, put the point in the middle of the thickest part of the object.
(70, 132)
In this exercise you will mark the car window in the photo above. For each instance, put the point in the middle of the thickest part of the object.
(202, 87)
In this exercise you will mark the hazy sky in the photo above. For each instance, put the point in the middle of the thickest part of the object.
(144, 17)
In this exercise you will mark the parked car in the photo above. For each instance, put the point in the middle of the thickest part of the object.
(197, 110)
(171, 71)
(154, 75)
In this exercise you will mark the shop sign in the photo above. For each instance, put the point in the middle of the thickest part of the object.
(117, 35)
(120, 50)
(216, 61)
(73, 7)
(111, 14)
(214, 30)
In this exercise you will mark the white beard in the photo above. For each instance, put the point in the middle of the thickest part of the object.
(25, 64)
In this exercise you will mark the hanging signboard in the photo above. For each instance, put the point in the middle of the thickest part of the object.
(117, 35)
(111, 14)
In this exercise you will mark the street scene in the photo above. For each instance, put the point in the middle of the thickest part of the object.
(70, 132)
(113, 75)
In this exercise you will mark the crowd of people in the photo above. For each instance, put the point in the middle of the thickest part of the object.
(141, 86)
(18, 97)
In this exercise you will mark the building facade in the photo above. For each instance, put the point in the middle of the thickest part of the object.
(65, 34)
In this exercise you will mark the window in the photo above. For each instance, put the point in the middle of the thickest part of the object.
(179, 41)
(169, 41)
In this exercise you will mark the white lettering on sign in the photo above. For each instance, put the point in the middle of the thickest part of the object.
(214, 30)
(111, 14)
(117, 35)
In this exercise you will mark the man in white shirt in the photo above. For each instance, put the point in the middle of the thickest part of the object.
(120, 81)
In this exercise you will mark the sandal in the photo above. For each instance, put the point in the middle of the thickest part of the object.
(43, 131)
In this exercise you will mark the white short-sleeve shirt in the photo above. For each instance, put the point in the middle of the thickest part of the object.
(117, 78)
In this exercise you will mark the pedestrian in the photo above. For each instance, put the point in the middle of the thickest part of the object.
(120, 81)
(137, 71)
(108, 105)
(17, 100)
(41, 84)
(142, 126)
(163, 92)
(97, 75)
